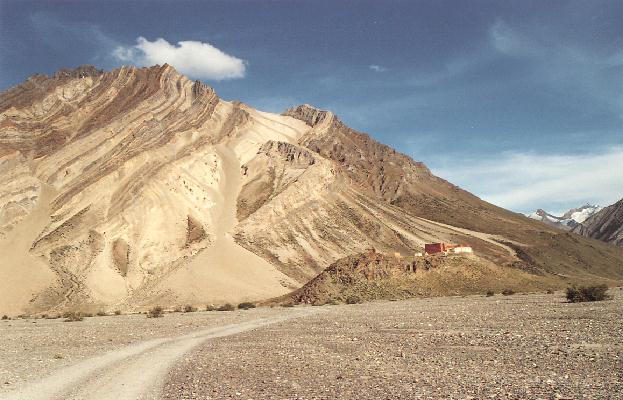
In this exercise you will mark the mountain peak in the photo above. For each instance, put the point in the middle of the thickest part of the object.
(309, 114)
(569, 219)
(79, 72)
(605, 225)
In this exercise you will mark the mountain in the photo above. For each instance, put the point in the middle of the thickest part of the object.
(137, 186)
(606, 225)
(568, 220)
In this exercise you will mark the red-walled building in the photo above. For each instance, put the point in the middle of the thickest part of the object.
(433, 248)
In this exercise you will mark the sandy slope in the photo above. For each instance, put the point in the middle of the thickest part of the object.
(23, 274)
(225, 270)
(133, 372)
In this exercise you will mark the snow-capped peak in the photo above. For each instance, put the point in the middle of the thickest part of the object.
(568, 220)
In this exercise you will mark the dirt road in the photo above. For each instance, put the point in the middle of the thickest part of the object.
(133, 372)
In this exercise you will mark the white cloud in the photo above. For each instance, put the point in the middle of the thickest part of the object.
(192, 58)
(524, 182)
(377, 68)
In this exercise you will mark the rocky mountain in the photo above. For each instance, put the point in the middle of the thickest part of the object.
(138, 186)
(606, 225)
(569, 219)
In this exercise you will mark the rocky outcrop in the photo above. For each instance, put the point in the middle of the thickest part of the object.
(376, 276)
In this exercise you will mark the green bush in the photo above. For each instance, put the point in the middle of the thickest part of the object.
(353, 299)
(246, 305)
(226, 307)
(155, 312)
(508, 292)
(189, 308)
(73, 316)
(490, 293)
(587, 293)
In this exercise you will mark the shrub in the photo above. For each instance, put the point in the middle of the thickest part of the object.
(211, 307)
(155, 312)
(117, 312)
(508, 292)
(226, 307)
(246, 305)
(5, 317)
(101, 313)
(353, 299)
(189, 308)
(587, 293)
(490, 293)
(73, 316)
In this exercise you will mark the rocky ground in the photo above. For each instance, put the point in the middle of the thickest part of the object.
(520, 346)
(34, 348)
(516, 347)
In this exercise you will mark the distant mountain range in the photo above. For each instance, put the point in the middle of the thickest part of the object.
(568, 220)
(606, 225)
(601, 223)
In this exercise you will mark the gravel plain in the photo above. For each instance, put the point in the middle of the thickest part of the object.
(508, 347)
(533, 346)
(33, 349)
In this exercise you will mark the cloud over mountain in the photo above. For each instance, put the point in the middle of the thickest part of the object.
(523, 181)
(193, 58)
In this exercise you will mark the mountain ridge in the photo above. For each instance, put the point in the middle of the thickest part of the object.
(569, 220)
(605, 225)
(149, 188)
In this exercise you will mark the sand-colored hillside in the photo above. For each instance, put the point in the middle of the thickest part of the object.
(138, 186)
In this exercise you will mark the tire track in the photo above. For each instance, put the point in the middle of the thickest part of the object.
(133, 372)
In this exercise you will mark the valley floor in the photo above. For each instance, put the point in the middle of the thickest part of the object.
(520, 346)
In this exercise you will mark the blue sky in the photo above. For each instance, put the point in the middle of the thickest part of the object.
(519, 102)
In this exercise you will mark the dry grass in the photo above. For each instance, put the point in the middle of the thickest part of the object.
(587, 293)
(246, 305)
(156, 312)
(73, 316)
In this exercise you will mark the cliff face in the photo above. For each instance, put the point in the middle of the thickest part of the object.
(139, 186)
(606, 225)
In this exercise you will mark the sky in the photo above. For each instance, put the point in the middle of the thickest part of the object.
(519, 102)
